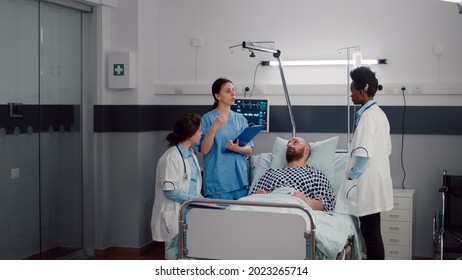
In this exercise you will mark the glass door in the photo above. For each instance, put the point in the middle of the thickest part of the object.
(60, 136)
(41, 197)
(19, 138)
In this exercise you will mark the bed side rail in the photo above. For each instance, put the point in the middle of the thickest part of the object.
(210, 202)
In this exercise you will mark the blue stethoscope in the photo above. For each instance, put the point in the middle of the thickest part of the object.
(355, 120)
(184, 164)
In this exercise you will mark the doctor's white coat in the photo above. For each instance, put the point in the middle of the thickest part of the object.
(170, 174)
(372, 192)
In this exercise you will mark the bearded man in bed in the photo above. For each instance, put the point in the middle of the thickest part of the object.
(311, 184)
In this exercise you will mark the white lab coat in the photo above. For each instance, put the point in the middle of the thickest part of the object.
(372, 192)
(170, 175)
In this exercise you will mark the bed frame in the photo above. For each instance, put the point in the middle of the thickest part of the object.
(209, 232)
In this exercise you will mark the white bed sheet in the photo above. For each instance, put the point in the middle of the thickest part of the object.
(332, 229)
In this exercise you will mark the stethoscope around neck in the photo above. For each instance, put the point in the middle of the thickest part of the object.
(184, 164)
(354, 121)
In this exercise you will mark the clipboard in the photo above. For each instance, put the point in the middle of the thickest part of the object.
(248, 134)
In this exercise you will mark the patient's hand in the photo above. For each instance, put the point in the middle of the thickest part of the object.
(299, 195)
(260, 191)
(315, 204)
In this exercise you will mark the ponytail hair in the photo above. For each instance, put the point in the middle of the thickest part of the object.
(186, 125)
(216, 87)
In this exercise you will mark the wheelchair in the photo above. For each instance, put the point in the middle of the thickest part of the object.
(447, 222)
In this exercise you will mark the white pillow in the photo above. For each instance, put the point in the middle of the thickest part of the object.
(322, 155)
(341, 160)
(264, 164)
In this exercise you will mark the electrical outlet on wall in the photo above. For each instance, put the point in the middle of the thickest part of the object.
(404, 88)
(197, 42)
(388, 89)
(438, 49)
(416, 89)
(257, 89)
(246, 90)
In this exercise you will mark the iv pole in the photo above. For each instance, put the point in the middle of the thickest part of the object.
(340, 51)
(276, 54)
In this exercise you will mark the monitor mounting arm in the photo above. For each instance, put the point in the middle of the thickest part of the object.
(276, 54)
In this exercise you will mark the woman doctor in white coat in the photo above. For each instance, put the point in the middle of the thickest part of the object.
(367, 189)
(178, 177)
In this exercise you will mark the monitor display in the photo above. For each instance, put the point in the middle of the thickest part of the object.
(256, 111)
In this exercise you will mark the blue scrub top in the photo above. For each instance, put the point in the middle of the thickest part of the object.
(224, 171)
(177, 194)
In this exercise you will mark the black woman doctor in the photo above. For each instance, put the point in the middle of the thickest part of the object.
(367, 189)
(178, 177)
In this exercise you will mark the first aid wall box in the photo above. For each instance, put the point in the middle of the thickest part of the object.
(121, 70)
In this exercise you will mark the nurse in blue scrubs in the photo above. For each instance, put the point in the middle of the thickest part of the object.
(225, 168)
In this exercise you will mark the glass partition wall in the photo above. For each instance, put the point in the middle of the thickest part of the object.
(41, 196)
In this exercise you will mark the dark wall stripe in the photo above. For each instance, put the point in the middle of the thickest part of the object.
(436, 120)
(439, 120)
(37, 118)
(137, 118)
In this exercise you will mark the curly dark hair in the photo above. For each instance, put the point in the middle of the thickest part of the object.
(363, 76)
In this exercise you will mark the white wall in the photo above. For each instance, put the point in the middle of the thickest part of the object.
(160, 32)
(404, 32)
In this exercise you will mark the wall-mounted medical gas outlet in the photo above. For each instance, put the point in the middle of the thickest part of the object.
(121, 70)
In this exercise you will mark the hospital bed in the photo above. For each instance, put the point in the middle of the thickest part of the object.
(270, 226)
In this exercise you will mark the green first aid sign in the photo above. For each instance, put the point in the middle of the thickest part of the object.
(119, 69)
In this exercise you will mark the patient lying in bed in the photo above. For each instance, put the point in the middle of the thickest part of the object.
(311, 184)
(332, 229)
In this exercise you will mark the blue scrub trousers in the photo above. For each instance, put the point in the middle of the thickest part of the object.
(234, 195)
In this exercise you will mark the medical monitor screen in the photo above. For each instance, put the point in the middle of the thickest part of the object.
(256, 111)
